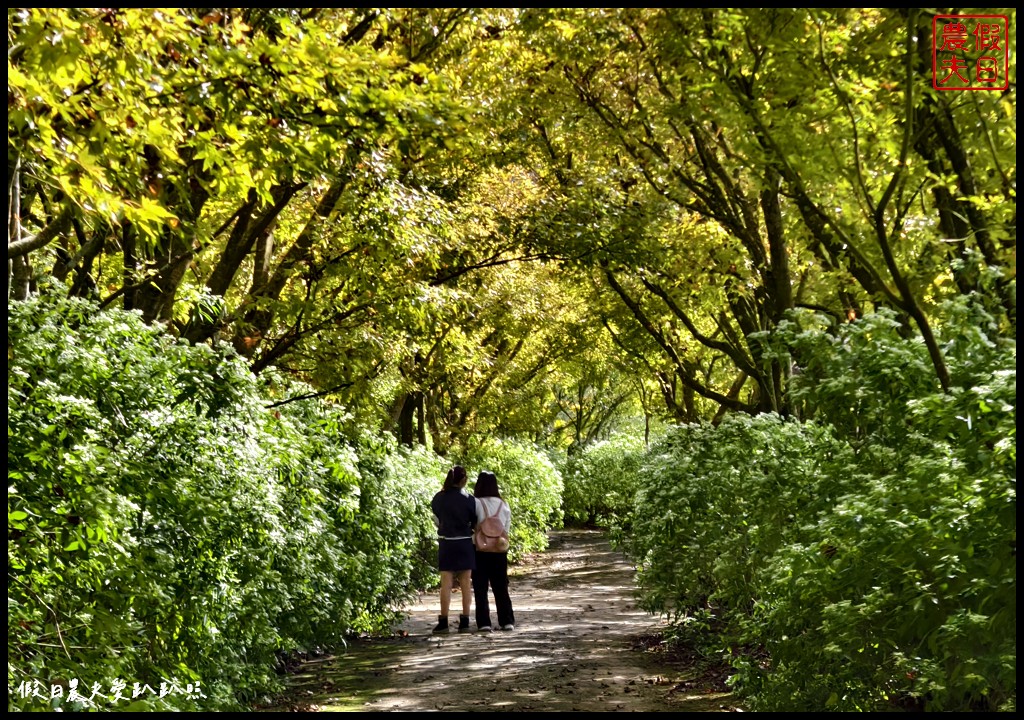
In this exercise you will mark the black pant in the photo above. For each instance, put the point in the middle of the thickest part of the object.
(492, 568)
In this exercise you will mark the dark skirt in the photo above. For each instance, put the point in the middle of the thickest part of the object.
(456, 555)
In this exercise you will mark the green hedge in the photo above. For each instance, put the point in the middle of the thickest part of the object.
(166, 525)
(862, 560)
(601, 481)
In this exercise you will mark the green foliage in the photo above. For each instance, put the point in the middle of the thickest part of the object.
(164, 525)
(531, 485)
(100, 96)
(138, 501)
(527, 221)
(865, 559)
(858, 380)
(601, 481)
(715, 502)
(400, 545)
(907, 587)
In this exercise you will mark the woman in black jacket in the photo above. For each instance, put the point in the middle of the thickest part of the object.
(455, 515)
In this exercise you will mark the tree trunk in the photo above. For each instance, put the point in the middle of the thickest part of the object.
(405, 420)
(421, 430)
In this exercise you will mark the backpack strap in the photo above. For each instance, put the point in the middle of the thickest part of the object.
(487, 515)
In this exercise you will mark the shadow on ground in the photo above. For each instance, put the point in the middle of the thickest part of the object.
(580, 645)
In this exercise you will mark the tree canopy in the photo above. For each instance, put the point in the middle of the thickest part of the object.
(433, 214)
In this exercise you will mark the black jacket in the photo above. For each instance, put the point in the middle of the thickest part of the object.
(455, 513)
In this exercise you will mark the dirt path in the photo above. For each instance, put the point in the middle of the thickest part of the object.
(580, 645)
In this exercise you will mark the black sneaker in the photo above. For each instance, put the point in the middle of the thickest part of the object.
(442, 625)
(464, 623)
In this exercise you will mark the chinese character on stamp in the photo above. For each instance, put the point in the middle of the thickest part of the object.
(970, 52)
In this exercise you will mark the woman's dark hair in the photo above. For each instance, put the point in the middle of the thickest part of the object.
(486, 485)
(456, 478)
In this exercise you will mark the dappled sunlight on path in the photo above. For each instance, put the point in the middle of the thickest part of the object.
(576, 621)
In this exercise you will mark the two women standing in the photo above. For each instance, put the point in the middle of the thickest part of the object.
(456, 514)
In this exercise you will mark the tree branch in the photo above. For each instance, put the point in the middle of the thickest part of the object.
(42, 238)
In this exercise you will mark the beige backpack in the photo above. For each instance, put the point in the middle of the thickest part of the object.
(490, 535)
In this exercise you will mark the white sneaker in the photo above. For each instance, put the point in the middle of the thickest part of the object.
(484, 628)
(510, 626)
